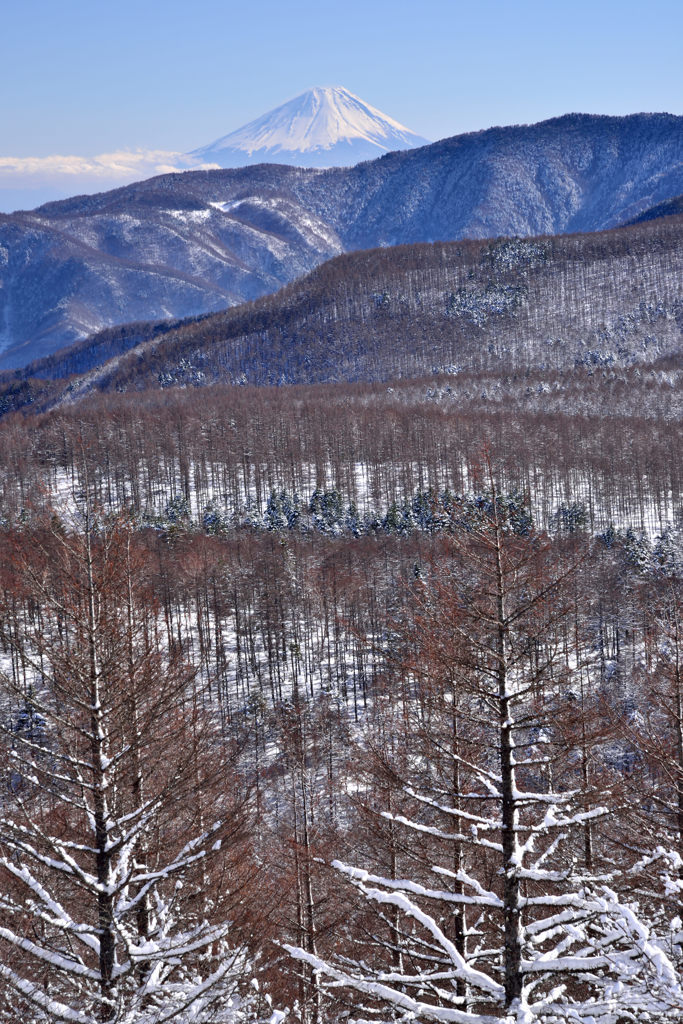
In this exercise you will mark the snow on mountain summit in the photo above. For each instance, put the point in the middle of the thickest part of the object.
(323, 127)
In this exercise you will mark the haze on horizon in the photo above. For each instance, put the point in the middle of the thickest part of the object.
(98, 100)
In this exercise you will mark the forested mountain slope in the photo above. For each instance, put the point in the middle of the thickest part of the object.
(249, 458)
(183, 244)
(613, 298)
(669, 208)
(562, 355)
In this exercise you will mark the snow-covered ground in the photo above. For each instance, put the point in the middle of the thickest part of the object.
(242, 495)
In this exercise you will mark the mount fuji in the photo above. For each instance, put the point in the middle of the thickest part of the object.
(323, 127)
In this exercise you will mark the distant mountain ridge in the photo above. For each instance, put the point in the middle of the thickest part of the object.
(323, 127)
(185, 244)
(669, 208)
(599, 301)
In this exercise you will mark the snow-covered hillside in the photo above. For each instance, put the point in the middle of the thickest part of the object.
(184, 244)
(323, 127)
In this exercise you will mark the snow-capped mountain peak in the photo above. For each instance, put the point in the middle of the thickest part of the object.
(323, 127)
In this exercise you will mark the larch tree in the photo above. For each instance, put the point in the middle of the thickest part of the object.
(539, 935)
(124, 828)
(652, 732)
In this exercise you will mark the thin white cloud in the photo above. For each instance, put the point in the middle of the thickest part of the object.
(121, 166)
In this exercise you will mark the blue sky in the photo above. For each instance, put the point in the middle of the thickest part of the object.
(83, 79)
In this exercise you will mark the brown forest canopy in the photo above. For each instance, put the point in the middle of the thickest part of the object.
(613, 298)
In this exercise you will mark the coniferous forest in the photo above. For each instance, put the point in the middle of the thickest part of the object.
(409, 752)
